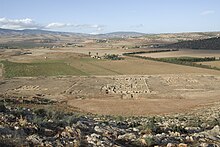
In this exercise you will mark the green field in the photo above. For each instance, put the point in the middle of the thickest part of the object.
(46, 68)
(84, 66)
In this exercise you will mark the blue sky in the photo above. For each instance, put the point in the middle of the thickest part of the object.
(101, 16)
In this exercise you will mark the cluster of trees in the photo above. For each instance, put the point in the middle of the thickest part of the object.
(211, 43)
(3, 46)
(113, 57)
(189, 59)
(153, 51)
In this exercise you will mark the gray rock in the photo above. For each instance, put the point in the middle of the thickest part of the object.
(213, 134)
(208, 145)
(98, 129)
(127, 136)
(35, 139)
(193, 129)
(135, 130)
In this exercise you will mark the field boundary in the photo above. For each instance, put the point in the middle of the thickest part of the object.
(176, 61)
(106, 69)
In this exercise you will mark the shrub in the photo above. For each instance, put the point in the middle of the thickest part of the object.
(113, 57)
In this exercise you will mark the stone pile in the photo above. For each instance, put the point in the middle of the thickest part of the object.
(128, 87)
(21, 126)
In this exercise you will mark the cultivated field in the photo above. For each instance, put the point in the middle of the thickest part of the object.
(79, 64)
(74, 95)
(131, 86)
(211, 63)
(185, 53)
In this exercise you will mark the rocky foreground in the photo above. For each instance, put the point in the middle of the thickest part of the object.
(22, 126)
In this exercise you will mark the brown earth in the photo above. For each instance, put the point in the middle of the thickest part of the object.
(126, 87)
(211, 63)
(122, 95)
(128, 66)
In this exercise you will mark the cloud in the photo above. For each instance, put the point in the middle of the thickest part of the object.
(94, 27)
(57, 25)
(28, 23)
(207, 12)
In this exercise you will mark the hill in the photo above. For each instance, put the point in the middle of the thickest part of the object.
(46, 32)
(209, 44)
(120, 35)
(37, 32)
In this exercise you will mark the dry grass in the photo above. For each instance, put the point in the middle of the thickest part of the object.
(211, 63)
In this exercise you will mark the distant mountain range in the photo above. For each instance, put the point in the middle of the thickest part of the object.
(120, 35)
(46, 32)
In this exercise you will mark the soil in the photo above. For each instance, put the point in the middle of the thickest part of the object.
(211, 63)
(122, 95)
(126, 87)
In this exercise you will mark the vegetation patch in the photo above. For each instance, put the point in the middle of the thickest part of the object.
(153, 51)
(187, 59)
(47, 68)
(113, 57)
(208, 44)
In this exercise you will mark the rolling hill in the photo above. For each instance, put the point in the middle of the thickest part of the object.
(209, 44)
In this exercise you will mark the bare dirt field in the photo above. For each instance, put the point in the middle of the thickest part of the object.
(211, 63)
(122, 95)
(184, 53)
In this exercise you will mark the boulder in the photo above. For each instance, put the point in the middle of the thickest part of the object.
(34, 139)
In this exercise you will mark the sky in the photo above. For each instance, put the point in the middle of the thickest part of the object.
(103, 16)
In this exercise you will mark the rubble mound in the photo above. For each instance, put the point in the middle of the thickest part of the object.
(20, 126)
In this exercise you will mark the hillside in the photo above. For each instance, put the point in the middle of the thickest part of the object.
(8, 32)
(210, 44)
(119, 35)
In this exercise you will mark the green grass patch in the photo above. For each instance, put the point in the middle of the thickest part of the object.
(46, 68)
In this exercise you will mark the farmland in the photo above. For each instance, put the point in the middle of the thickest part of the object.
(185, 53)
(94, 82)
(77, 64)
(212, 63)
